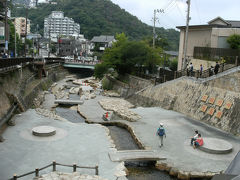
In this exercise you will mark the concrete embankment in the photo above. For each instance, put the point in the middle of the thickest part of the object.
(23, 90)
(215, 101)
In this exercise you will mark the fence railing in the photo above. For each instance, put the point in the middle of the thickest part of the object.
(216, 54)
(12, 62)
(54, 168)
(4, 63)
(165, 76)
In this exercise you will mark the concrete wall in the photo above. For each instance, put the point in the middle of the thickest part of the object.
(134, 84)
(196, 37)
(203, 38)
(28, 87)
(230, 82)
(184, 95)
(222, 32)
(206, 64)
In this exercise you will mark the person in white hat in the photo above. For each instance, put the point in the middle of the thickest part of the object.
(161, 132)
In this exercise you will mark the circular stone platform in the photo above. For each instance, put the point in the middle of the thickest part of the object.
(43, 131)
(216, 146)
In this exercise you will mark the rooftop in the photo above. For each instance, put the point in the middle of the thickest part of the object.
(102, 38)
(217, 22)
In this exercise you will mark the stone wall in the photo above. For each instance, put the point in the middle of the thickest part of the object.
(230, 82)
(27, 88)
(185, 95)
(127, 89)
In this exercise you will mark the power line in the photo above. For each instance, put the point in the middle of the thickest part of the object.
(180, 11)
(197, 10)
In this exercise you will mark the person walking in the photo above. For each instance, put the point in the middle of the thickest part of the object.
(161, 132)
(201, 70)
(216, 69)
(191, 69)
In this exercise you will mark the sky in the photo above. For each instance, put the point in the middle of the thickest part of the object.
(202, 11)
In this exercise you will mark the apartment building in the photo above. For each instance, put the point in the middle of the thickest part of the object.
(56, 25)
(20, 25)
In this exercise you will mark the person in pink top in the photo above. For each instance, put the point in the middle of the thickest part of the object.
(198, 142)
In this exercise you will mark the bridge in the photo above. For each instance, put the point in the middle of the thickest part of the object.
(80, 64)
(135, 155)
(9, 64)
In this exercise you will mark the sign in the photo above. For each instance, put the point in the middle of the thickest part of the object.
(204, 108)
(211, 111)
(211, 100)
(219, 102)
(228, 105)
(219, 114)
(204, 98)
(6, 45)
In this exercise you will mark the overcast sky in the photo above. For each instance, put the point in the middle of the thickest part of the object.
(202, 11)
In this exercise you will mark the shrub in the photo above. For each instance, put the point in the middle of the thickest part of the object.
(106, 84)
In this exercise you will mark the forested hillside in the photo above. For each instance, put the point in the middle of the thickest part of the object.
(98, 17)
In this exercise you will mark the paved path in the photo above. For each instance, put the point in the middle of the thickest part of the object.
(179, 129)
(22, 152)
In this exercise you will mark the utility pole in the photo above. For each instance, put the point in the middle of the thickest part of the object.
(49, 36)
(15, 43)
(26, 21)
(186, 36)
(6, 27)
(154, 23)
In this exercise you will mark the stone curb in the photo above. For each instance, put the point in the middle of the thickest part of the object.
(163, 166)
(184, 175)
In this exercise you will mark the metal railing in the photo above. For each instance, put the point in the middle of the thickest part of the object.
(171, 75)
(216, 54)
(81, 62)
(9, 62)
(54, 168)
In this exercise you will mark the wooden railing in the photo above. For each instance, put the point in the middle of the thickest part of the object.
(54, 168)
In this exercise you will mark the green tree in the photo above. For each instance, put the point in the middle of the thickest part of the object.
(234, 41)
(173, 64)
(126, 55)
(97, 18)
(100, 70)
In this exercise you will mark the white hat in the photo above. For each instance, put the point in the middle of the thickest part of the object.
(161, 124)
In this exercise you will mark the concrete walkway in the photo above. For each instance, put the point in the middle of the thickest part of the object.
(22, 152)
(179, 129)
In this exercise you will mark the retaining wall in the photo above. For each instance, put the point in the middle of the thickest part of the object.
(127, 89)
(27, 88)
(186, 95)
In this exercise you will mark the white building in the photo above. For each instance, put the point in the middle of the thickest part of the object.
(56, 25)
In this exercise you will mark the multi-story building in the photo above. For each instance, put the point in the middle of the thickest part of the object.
(211, 35)
(56, 25)
(20, 25)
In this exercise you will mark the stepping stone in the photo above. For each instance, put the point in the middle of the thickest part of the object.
(216, 146)
(43, 131)
(67, 101)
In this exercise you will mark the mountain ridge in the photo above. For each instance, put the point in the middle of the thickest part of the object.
(98, 17)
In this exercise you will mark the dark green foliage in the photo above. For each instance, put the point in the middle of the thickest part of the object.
(173, 64)
(19, 44)
(234, 41)
(125, 56)
(106, 84)
(100, 70)
(99, 17)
